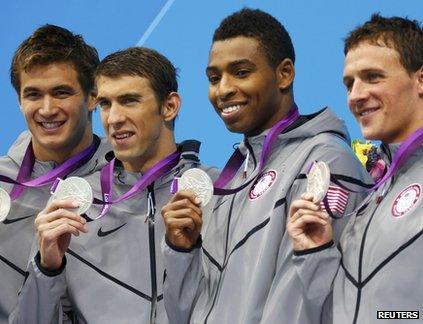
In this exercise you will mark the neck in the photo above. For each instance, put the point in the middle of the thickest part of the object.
(146, 162)
(60, 155)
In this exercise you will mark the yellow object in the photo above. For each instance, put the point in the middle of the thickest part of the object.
(361, 150)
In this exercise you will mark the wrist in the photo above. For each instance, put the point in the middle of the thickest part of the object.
(177, 248)
(49, 271)
(314, 249)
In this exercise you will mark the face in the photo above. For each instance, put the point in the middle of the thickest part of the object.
(133, 120)
(56, 110)
(243, 87)
(385, 99)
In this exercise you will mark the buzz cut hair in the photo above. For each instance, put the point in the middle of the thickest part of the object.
(272, 36)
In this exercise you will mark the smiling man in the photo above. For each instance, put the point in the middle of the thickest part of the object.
(53, 74)
(243, 272)
(113, 272)
(381, 246)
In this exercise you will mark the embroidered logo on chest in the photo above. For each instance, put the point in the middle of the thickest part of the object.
(263, 183)
(406, 200)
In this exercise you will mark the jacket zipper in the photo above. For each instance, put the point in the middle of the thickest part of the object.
(152, 248)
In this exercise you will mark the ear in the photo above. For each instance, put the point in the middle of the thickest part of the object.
(92, 101)
(419, 74)
(171, 105)
(285, 73)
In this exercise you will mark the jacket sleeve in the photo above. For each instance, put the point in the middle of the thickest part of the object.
(39, 301)
(182, 282)
(313, 271)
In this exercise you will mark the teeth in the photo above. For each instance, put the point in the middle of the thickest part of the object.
(231, 109)
(51, 125)
(366, 112)
(122, 136)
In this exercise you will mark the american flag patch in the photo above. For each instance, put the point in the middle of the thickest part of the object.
(337, 200)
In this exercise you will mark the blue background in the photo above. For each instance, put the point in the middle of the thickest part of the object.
(182, 30)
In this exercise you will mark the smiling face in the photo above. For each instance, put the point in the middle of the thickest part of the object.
(243, 88)
(138, 128)
(385, 99)
(56, 111)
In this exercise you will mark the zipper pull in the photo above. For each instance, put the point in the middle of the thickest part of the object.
(247, 158)
(151, 209)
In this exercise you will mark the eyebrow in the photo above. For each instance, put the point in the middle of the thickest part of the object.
(59, 87)
(232, 65)
(129, 95)
(29, 89)
(120, 97)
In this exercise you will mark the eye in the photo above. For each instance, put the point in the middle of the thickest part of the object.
(32, 95)
(62, 94)
(103, 104)
(348, 83)
(242, 73)
(373, 76)
(129, 101)
(213, 78)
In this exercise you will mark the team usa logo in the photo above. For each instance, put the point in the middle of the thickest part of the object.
(406, 200)
(262, 184)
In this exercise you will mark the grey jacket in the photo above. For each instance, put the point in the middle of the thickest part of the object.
(380, 249)
(114, 273)
(244, 272)
(17, 231)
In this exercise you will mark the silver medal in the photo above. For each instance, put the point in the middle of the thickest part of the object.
(4, 204)
(76, 189)
(199, 183)
(318, 180)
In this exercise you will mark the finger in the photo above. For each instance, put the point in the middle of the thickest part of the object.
(181, 224)
(54, 234)
(301, 212)
(58, 222)
(186, 194)
(302, 204)
(57, 214)
(307, 196)
(60, 203)
(184, 214)
(309, 219)
(181, 204)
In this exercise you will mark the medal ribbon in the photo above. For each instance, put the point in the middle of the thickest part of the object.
(236, 160)
(155, 172)
(408, 147)
(22, 181)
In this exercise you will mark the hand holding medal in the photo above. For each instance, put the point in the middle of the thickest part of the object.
(307, 224)
(61, 218)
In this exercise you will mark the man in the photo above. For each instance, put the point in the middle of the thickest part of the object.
(53, 74)
(244, 272)
(114, 272)
(380, 247)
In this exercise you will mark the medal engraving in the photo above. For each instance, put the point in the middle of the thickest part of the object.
(199, 183)
(318, 180)
(76, 189)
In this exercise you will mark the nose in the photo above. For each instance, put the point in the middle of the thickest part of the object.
(48, 107)
(226, 88)
(115, 116)
(357, 94)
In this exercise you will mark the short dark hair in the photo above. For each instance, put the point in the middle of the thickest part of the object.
(51, 44)
(266, 29)
(142, 62)
(402, 34)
